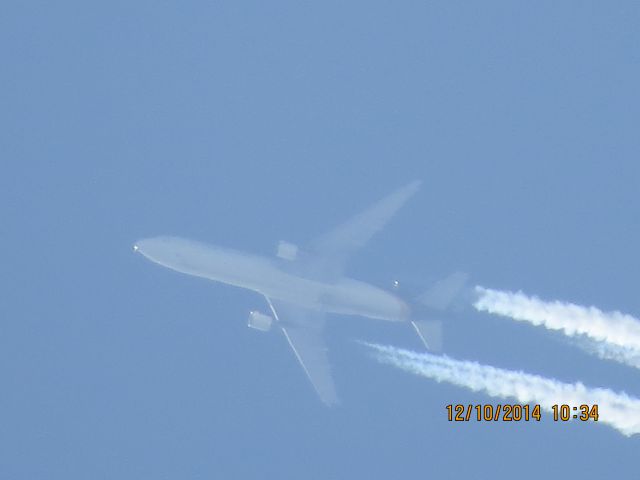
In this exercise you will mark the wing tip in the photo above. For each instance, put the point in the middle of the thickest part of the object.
(331, 402)
(411, 188)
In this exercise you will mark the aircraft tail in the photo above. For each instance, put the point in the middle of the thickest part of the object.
(443, 293)
(439, 297)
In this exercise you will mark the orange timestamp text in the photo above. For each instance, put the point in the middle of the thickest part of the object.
(518, 413)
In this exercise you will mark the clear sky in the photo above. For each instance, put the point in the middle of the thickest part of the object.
(246, 123)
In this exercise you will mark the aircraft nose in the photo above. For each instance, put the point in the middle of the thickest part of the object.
(143, 246)
(150, 247)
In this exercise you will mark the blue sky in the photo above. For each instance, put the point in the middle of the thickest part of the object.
(246, 123)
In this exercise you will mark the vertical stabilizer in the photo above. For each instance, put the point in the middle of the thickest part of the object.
(440, 295)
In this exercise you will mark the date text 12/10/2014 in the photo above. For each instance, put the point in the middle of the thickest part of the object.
(518, 413)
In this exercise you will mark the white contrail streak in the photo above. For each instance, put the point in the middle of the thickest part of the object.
(619, 410)
(618, 333)
(607, 351)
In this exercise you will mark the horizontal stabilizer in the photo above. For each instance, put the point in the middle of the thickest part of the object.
(430, 332)
(444, 292)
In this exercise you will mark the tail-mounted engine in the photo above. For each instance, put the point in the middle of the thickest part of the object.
(260, 321)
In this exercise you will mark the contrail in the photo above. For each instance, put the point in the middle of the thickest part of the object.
(607, 351)
(619, 410)
(610, 335)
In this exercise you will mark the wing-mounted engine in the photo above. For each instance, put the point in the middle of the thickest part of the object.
(287, 251)
(260, 321)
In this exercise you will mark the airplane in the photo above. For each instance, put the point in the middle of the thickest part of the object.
(302, 286)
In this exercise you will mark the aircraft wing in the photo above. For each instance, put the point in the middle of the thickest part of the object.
(334, 247)
(303, 329)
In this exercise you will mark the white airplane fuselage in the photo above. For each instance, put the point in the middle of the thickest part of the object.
(263, 275)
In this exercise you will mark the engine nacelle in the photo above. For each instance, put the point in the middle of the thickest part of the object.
(287, 251)
(260, 321)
